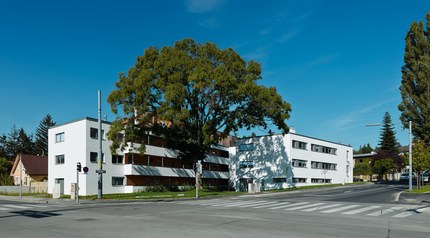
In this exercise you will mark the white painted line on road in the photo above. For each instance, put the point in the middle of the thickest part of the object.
(235, 204)
(270, 204)
(403, 214)
(4, 209)
(34, 205)
(361, 210)
(16, 206)
(321, 208)
(290, 205)
(340, 209)
(410, 212)
(304, 206)
(203, 202)
(212, 202)
(383, 212)
(254, 204)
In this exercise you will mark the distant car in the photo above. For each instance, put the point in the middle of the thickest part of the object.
(425, 176)
(405, 176)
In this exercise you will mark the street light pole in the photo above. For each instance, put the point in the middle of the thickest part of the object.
(410, 156)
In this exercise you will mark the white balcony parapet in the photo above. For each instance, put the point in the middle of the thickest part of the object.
(170, 172)
(216, 160)
(152, 150)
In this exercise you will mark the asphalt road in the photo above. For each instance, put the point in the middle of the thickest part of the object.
(366, 193)
(323, 213)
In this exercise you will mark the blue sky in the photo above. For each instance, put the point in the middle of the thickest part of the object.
(337, 62)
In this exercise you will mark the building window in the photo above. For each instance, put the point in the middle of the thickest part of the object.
(320, 180)
(299, 180)
(246, 164)
(94, 133)
(117, 181)
(323, 149)
(246, 147)
(299, 144)
(117, 159)
(299, 163)
(59, 159)
(321, 165)
(59, 137)
(279, 180)
(94, 157)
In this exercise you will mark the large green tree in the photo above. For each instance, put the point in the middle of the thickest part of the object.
(201, 92)
(41, 135)
(18, 141)
(387, 138)
(387, 158)
(415, 87)
(421, 159)
(3, 145)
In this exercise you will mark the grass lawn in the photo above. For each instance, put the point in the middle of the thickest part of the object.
(164, 195)
(424, 189)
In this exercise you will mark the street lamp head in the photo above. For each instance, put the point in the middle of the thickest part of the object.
(375, 124)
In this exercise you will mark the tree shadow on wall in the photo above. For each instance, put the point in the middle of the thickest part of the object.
(271, 164)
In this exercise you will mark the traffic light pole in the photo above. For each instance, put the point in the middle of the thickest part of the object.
(78, 169)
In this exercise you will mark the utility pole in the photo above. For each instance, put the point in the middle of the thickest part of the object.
(99, 159)
(410, 156)
(198, 171)
(20, 176)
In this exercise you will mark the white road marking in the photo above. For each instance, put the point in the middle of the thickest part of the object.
(410, 212)
(290, 205)
(321, 208)
(304, 206)
(340, 209)
(16, 206)
(383, 212)
(254, 204)
(270, 204)
(361, 210)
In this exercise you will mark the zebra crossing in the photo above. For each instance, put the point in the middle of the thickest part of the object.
(322, 207)
(25, 206)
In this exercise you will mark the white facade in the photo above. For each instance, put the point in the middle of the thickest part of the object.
(290, 160)
(73, 141)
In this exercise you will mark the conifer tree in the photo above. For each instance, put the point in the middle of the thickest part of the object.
(415, 87)
(388, 141)
(41, 135)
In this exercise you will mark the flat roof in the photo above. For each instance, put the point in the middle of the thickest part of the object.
(81, 119)
(310, 137)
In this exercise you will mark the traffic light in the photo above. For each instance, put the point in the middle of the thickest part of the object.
(79, 166)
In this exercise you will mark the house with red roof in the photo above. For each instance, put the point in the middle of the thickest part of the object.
(31, 171)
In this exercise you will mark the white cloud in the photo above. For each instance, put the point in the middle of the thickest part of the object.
(351, 119)
(202, 6)
(288, 35)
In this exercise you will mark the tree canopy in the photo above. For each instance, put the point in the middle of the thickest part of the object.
(41, 135)
(200, 92)
(415, 87)
(364, 149)
(387, 157)
(387, 138)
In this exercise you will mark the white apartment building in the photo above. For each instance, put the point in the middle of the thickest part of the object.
(127, 172)
(290, 160)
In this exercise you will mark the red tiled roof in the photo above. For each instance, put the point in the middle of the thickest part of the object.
(33, 164)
